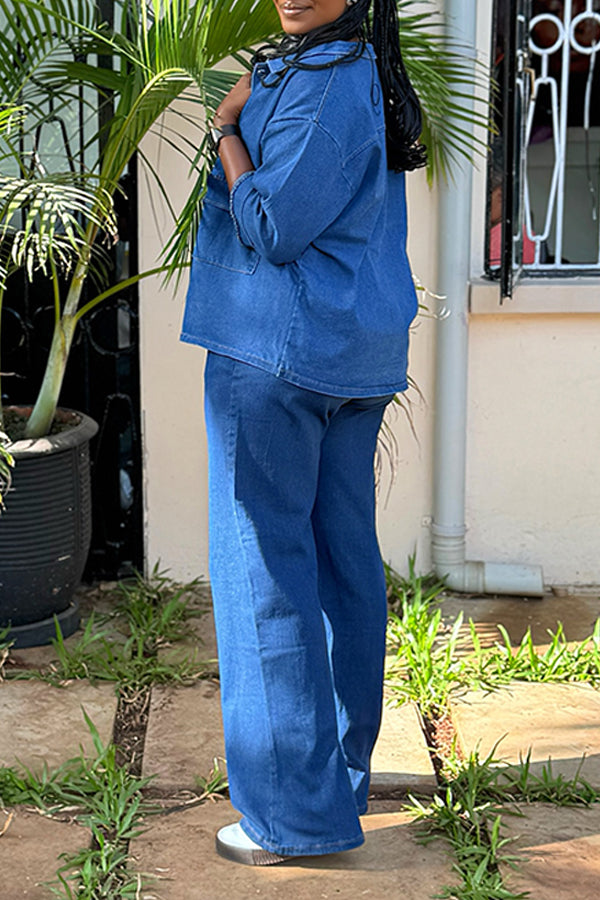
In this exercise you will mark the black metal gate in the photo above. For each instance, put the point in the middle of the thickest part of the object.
(102, 377)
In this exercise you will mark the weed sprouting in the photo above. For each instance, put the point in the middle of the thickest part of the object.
(428, 667)
(214, 784)
(157, 609)
(468, 812)
(107, 799)
(558, 662)
(5, 646)
(124, 646)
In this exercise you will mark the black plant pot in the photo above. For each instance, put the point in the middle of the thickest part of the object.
(45, 533)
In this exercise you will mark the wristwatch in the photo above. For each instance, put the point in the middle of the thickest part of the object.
(217, 132)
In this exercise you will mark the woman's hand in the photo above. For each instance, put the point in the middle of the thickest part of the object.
(228, 111)
(232, 150)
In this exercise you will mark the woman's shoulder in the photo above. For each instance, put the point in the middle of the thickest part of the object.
(320, 90)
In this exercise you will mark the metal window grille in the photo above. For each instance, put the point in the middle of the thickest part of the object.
(563, 137)
(550, 94)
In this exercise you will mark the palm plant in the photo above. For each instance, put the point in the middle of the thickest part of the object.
(160, 51)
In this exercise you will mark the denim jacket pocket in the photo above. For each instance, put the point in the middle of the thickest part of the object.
(217, 243)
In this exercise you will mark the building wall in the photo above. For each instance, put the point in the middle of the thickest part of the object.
(176, 506)
(533, 485)
(533, 491)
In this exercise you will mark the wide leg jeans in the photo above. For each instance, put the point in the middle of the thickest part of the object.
(299, 601)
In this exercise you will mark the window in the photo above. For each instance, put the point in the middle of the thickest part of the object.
(544, 170)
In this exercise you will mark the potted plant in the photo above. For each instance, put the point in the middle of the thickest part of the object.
(44, 540)
(57, 225)
(155, 53)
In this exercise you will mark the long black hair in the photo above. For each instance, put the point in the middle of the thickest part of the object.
(401, 104)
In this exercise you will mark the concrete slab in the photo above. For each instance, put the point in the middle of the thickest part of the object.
(184, 735)
(29, 851)
(401, 760)
(179, 849)
(561, 847)
(561, 721)
(44, 724)
(201, 646)
(578, 613)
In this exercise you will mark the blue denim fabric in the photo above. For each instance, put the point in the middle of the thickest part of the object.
(300, 603)
(302, 269)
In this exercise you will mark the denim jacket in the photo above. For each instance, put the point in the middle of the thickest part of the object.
(301, 270)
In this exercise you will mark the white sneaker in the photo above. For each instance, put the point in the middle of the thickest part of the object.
(233, 843)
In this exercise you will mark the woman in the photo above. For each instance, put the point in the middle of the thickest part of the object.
(302, 292)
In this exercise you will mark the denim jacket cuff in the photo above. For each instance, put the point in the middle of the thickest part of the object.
(237, 197)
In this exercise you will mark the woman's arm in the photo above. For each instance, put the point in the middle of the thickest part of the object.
(307, 175)
(232, 150)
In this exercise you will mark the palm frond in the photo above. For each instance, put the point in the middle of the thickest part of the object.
(442, 78)
(6, 464)
(53, 216)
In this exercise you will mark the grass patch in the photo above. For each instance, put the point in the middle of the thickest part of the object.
(498, 665)
(432, 662)
(100, 795)
(105, 794)
(124, 646)
(106, 798)
(425, 668)
(468, 813)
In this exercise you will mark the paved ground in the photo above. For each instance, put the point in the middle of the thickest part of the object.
(391, 864)
(39, 723)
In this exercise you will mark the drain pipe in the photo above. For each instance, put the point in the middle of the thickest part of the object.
(448, 526)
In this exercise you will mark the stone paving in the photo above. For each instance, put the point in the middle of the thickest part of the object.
(561, 850)
(30, 850)
(561, 846)
(44, 724)
(556, 721)
(179, 851)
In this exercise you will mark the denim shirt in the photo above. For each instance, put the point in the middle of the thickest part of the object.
(301, 269)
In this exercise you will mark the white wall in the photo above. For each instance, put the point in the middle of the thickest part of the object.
(405, 503)
(533, 470)
(171, 385)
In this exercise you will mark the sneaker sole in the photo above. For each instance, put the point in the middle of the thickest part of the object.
(248, 857)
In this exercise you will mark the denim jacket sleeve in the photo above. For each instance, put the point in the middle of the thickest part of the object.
(299, 189)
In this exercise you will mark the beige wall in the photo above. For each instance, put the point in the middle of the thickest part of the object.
(533, 491)
(533, 482)
(405, 501)
(174, 443)
(533, 485)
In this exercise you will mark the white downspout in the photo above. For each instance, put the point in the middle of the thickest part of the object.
(448, 526)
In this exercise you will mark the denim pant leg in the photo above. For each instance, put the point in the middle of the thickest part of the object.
(286, 765)
(352, 586)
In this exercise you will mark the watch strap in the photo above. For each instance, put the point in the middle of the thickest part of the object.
(218, 132)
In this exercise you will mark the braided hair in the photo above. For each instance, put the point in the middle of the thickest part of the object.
(401, 104)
